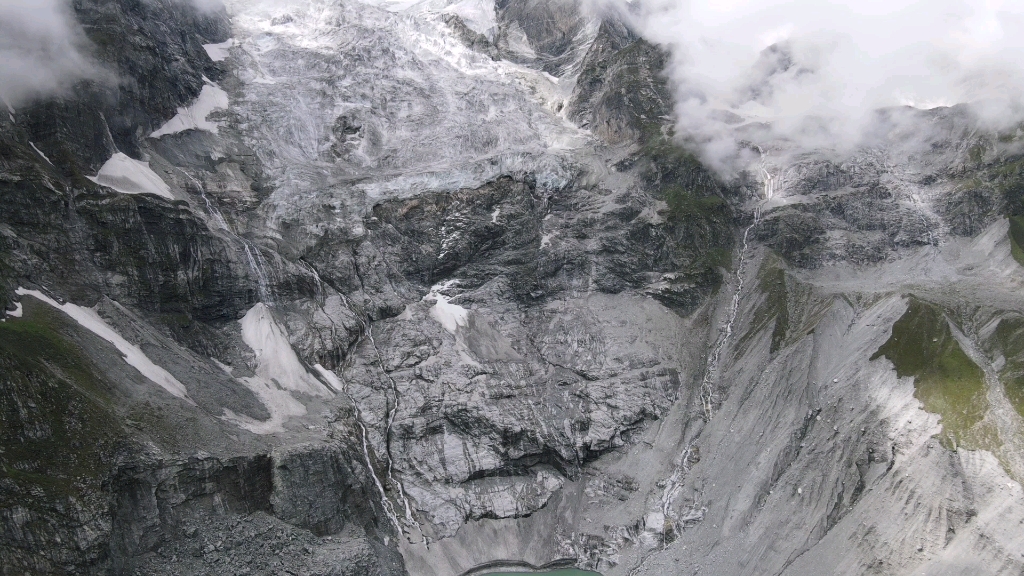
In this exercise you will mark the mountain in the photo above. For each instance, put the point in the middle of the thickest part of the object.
(433, 288)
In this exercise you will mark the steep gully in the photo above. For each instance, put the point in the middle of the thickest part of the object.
(673, 485)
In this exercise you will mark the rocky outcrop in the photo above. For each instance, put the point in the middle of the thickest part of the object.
(620, 92)
(200, 510)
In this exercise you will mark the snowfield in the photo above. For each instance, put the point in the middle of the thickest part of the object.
(133, 355)
(194, 117)
(129, 176)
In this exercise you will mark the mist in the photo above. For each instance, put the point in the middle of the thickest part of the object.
(42, 50)
(806, 74)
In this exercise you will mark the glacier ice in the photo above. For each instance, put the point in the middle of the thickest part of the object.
(396, 105)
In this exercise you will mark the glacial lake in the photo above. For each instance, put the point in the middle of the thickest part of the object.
(564, 572)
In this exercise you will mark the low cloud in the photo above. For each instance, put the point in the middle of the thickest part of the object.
(42, 50)
(812, 74)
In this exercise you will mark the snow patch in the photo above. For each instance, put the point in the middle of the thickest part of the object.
(279, 372)
(193, 117)
(494, 215)
(38, 151)
(277, 360)
(330, 377)
(17, 312)
(449, 315)
(227, 369)
(129, 176)
(135, 357)
(219, 52)
(545, 240)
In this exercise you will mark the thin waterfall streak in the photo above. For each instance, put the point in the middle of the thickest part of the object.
(110, 137)
(707, 381)
(318, 292)
(390, 422)
(389, 510)
(258, 266)
(674, 483)
(212, 210)
(257, 263)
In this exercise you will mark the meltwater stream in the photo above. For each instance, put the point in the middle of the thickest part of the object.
(707, 388)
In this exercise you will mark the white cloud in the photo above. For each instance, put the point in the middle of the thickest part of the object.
(834, 63)
(44, 52)
(41, 50)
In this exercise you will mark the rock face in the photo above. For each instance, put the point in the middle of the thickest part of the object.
(425, 290)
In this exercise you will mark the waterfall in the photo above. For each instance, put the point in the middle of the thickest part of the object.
(771, 185)
(257, 263)
(707, 382)
(771, 182)
(318, 291)
(387, 432)
(707, 386)
(259, 267)
(389, 507)
(212, 210)
(389, 510)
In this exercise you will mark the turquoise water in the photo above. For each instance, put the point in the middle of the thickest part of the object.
(565, 572)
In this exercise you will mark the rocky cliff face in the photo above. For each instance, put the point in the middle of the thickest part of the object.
(376, 288)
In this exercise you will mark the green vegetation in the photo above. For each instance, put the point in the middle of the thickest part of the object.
(1010, 184)
(976, 154)
(1016, 234)
(685, 206)
(718, 258)
(1007, 179)
(1009, 337)
(699, 216)
(672, 166)
(771, 280)
(55, 412)
(947, 382)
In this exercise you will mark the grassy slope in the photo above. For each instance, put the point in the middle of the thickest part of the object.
(1009, 336)
(56, 413)
(947, 382)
